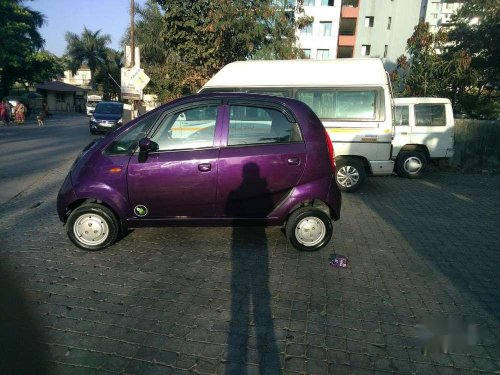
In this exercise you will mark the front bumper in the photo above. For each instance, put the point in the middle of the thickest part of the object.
(65, 197)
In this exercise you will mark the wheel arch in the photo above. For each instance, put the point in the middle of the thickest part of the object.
(79, 202)
(316, 203)
(359, 158)
(416, 148)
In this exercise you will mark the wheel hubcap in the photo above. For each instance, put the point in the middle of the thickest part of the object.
(310, 231)
(91, 229)
(347, 176)
(412, 165)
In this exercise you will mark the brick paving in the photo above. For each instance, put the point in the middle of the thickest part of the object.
(242, 301)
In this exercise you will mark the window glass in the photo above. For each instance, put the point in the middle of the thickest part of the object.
(109, 108)
(325, 28)
(192, 128)
(401, 116)
(127, 142)
(340, 104)
(323, 54)
(307, 53)
(309, 3)
(430, 115)
(256, 125)
(307, 30)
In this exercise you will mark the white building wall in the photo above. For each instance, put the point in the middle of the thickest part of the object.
(81, 77)
(316, 41)
(438, 13)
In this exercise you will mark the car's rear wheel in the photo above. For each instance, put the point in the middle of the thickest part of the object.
(92, 226)
(411, 164)
(350, 174)
(309, 229)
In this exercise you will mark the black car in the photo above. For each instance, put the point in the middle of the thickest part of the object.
(106, 117)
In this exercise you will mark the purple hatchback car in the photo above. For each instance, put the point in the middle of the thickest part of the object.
(211, 159)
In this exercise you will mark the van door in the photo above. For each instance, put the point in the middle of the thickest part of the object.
(429, 128)
(262, 162)
(402, 128)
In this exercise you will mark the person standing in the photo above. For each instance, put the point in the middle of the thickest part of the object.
(20, 109)
(8, 112)
(2, 113)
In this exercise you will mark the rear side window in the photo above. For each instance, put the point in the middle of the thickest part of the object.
(341, 104)
(401, 116)
(249, 125)
(430, 115)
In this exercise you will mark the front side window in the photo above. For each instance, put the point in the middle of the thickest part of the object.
(401, 115)
(430, 115)
(250, 125)
(126, 143)
(341, 104)
(189, 129)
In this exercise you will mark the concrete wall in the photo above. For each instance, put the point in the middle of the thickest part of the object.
(404, 17)
(477, 145)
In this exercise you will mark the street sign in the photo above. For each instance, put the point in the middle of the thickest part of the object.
(128, 87)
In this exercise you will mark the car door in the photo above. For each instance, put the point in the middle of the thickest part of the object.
(402, 128)
(179, 179)
(430, 128)
(263, 159)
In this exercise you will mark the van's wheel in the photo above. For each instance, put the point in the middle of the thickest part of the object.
(350, 174)
(411, 164)
(309, 229)
(92, 226)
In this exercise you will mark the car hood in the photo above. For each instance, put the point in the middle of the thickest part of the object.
(103, 116)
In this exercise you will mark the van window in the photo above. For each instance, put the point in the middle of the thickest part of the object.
(341, 104)
(402, 115)
(192, 128)
(258, 125)
(430, 115)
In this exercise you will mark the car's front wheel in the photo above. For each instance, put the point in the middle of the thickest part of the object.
(92, 226)
(309, 229)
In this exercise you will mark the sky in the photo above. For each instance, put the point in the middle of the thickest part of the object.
(111, 16)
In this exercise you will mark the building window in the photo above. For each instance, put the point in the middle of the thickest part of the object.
(307, 30)
(369, 21)
(389, 23)
(323, 54)
(434, 15)
(327, 3)
(325, 28)
(59, 98)
(365, 49)
(309, 3)
(307, 53)
(385, 50)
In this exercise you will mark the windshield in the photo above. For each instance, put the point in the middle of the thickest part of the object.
(109, 108)
(92, 103)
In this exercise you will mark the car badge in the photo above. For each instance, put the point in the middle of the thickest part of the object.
(140, 210)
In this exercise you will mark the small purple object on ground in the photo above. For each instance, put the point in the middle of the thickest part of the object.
(339, 262)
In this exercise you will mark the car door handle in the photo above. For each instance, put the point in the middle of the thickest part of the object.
(204, 167)
(293, 161)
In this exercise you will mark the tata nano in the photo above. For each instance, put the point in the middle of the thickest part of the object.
(212, 159)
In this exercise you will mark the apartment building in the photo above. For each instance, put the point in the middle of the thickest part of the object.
(80, 78)
(320, 39)
(368, 28)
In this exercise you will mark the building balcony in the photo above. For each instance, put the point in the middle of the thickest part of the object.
(348, 11)
(347, 40)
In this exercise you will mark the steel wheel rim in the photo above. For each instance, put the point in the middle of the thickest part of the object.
(412, 165)
(91, 229)
(310, 231)
(347, 176)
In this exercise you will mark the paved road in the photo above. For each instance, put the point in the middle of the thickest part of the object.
(29, 152)
(423, 255)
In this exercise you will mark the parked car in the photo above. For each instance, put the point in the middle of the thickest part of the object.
(107, 116)
(210, 159)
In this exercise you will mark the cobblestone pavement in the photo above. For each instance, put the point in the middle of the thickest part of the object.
(242, 301)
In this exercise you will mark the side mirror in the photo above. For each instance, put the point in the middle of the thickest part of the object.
(145, 145)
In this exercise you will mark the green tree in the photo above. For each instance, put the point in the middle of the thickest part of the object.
(107, 78)
(90, 47)
(476, 33)
(21, 39)
(196, 39)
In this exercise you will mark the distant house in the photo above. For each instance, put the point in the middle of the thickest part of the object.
(81, 78)
(62, 97)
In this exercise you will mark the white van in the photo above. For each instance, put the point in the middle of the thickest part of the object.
(92, 101)
(424, 131)
(350, 96)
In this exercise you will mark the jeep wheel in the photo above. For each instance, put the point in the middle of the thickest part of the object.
(411, 164)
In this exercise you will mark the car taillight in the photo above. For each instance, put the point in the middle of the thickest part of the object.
(331, 153)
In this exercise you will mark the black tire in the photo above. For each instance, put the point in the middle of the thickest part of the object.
(349, 174)
(315, 215)
(411, 164)
(107, 226)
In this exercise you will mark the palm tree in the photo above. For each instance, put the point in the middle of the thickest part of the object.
(90, 47)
